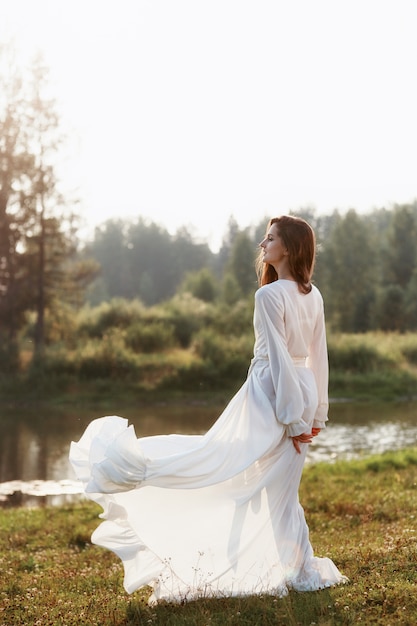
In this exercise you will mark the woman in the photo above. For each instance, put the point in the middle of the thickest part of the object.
(218, 514)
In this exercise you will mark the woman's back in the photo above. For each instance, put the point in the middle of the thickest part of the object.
(296, 317)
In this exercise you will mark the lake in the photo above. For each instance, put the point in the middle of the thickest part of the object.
(34, 467)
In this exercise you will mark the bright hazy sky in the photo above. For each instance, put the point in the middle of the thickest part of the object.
(189, 111)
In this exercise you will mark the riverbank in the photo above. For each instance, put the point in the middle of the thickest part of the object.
(379, 386)
(362, 514)
(375, 367)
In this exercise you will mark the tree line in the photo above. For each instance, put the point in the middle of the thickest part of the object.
(367, 269)
(366, 265)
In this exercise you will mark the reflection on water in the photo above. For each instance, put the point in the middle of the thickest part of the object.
(34, 467)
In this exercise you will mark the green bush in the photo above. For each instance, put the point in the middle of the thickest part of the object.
(57, 361)
(235, 320)
(201, 284)
(117, 313)
(194, 376)
(356, 355)
(150, 336)
(106, 358)
(9, 355)
(383, 386)
(153, 370)
(211, 347)
(410, 354)
(225, 358)
(187, 315)
(409, 348)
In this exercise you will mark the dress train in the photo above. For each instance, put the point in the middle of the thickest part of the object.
(210, 515)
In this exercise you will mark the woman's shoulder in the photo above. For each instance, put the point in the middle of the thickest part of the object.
(270, 288)
(316, 292)
(316, 299)
(279, 289)
(272, 292)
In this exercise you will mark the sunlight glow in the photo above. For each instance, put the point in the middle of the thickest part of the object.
(189, 112)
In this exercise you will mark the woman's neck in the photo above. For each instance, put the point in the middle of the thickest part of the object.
(283, 271)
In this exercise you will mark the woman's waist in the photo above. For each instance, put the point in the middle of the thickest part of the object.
(298, 361)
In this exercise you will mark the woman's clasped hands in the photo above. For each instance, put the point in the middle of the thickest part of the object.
(304, 438)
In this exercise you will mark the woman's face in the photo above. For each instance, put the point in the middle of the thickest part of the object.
(274, 249)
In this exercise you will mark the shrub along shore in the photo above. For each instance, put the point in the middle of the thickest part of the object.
(360, 513)
(372, 366)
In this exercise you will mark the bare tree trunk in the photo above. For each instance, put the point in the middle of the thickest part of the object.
(40, 304)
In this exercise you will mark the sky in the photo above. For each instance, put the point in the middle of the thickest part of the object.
(188, 112)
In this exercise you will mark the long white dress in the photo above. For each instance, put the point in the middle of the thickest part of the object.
(218, 514)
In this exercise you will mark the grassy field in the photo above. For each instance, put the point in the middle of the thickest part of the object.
(361, 513)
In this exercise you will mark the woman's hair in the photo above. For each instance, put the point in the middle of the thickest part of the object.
(299, 239)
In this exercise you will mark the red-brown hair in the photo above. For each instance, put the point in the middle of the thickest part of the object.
(299, 239)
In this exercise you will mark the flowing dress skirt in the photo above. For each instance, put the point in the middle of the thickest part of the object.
(210, 515)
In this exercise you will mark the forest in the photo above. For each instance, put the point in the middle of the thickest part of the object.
(366, 265)
(136, 302)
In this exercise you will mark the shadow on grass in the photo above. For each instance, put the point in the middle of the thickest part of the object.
(294, 609)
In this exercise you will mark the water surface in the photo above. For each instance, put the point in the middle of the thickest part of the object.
(34, 467)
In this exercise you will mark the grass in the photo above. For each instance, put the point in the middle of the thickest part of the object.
(361, 513)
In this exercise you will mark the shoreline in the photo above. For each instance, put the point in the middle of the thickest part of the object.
(103, 393)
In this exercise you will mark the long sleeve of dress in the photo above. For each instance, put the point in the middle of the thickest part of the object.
(319, 363)
(289, 403)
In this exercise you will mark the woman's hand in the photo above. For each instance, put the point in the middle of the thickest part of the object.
(304, 438)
